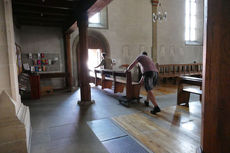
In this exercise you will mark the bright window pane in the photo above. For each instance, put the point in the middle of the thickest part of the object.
(193, 8)
(190, 20)
(193, 22)
(95, 18)
(94, 58)
(193, 35)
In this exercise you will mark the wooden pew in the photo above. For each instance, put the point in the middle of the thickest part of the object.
(132, 88)
(120, 80)
(183, 92)
(176, 70)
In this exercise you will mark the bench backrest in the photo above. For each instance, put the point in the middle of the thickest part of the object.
(171, 70)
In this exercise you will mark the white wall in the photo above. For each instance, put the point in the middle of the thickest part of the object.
(129, 29)
(130, 32)
(171, 46)
(4, 54)
(17, 35)
(46, 40)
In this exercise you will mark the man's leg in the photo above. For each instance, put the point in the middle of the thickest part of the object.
(147, 100)
(152, 98)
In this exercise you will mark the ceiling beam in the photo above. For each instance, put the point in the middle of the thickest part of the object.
(42, 9)
(40, 18)
(47, 3)
(38, 23)
(98, 6)
(91, 8)
(31, 12)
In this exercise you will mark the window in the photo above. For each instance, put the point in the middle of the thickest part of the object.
(94, 58)
(95, 18)
(191, 28)
(99, 20)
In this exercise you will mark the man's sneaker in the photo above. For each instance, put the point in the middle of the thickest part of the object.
(146, 103)
(155, 110)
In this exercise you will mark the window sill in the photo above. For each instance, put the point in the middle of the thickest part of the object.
(193, 43)
(100, 26)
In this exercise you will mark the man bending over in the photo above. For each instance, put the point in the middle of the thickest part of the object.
(150, 76)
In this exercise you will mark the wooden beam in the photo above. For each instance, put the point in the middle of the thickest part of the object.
(37, 23)
(31, 12)
(40, 18)
(47, 3)
(98, 6)
(41, 9)
(93, 7)
(83, 42)
(215, 134)
(69, 61)
(83, 6)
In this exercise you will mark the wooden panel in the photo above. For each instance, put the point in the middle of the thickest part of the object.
(53, 75)
(69, 61)
(98, 6)
(83, 57)
(193, 90)
(174, 130)
(176, 70)
(35, 86)
(216, 85)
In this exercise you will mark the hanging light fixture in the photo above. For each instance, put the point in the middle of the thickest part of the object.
(161, 15)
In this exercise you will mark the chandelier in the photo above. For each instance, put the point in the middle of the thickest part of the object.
(161, 15)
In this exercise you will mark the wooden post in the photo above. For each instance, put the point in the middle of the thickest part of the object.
(35, 86)
(129, 85)
(154, 32)
(69, 62)
(83, 54)
(215, 132)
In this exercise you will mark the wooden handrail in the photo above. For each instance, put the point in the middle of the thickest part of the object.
(132, 90)
(175, 70)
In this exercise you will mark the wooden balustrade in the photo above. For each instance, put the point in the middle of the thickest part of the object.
(120, 80)
(176, 70)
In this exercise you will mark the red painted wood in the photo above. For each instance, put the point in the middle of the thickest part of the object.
(83, 54)
(35, 86)
(215, 134)
(69, 61)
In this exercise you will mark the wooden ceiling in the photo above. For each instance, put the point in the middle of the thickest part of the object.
(55, 13)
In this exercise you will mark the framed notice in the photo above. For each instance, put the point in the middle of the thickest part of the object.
(19, 58)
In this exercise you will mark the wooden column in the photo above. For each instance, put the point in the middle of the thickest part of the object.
(215, 134)
(69, 61)
(154, 32)
(83, 53)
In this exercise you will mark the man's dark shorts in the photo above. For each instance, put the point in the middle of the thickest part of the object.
(150, 80)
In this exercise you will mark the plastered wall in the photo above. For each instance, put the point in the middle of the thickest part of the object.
(129, 29)
(171, 48)
(4, 59)
(45, 40)
(130, 32)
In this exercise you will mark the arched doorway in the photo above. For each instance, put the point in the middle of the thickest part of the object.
(97, 43)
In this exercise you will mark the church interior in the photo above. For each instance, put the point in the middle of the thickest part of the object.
(56, 96)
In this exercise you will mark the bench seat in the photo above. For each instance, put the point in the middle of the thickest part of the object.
(186, 86)
(116, 79)
(193, 90)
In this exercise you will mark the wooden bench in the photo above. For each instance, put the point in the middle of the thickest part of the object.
(176, 70)
(183, 92)
(35, 81)
(120, 80)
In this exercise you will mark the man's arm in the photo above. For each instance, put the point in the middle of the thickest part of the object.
(101, 64)
(132, 65)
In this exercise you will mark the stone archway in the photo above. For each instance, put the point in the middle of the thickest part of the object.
(96, 40)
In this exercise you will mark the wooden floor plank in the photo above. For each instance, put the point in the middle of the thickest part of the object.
(174, 129)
